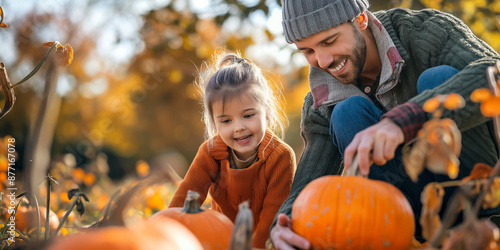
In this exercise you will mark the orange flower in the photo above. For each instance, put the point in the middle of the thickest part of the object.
(155, 201)
(78, 175)
(454, 101)
(89, 179)
(142, 168)
(4, 163)
(491, 106)
(102, 202)
(480, 95)
(64, 197)
(432, 104)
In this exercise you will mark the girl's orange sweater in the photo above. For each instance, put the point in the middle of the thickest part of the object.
(266, 183)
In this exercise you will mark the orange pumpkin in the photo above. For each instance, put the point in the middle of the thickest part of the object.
(352, 212)
(213, 229)
(164, 233)
(26, 218)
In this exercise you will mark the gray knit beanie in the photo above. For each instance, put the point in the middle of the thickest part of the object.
(303, 18)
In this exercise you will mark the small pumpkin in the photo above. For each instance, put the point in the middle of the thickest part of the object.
(353, 212)
(164, 233)
(213, 229)
(26, 218)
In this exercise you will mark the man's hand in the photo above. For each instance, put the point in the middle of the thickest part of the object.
(283, 237)
(380, 140)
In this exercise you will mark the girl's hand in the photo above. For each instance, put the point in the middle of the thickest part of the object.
(284, 238)
(377, 143)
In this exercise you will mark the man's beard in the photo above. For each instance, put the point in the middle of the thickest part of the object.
(357, 58)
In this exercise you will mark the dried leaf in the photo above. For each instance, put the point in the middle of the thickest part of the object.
(452, 168)
(432, 104)
(491, 106)
(84, 196)
(492, 196)
(7, 90)
(48, 44)
(414, 159)
(80, 208)
(444, 144)
(72, 192)
(479, 95)
(68, 56)
(2, 24)
(479, 171)
(65, 52)
(454, 101)
(476, 234)
(431, 198)
(415, 244)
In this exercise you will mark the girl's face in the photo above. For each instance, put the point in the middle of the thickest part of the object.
(241, 123)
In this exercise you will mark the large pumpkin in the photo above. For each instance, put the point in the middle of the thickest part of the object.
(213, 229)
(352, 212)
(164, 233)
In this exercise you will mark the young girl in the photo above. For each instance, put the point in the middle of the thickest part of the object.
(243, 159)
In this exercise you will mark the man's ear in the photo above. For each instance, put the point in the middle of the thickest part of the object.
(362, 20)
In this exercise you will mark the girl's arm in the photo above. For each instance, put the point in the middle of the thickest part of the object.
(198, 178)
(280, 168)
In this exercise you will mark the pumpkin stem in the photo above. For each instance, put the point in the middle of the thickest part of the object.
(241, 238)
(192, 203)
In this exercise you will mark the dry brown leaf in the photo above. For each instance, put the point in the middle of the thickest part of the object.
(492, 196)
(479, 171)
(415, 244)
(414, 159)
(68, 55)
(2, 24)
(7, 90)
(437, 147)
(431, 198)
(65, 52)
(48, 44)
(476, 234)
(444, 141)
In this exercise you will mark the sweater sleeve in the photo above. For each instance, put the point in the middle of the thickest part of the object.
(436, 38)
(198, 178)
(279, 172)
(409, 117)
(320, 156)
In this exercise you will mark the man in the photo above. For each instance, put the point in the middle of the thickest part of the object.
(370, 74)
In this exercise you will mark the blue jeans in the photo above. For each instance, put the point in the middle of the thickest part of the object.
(357, 113)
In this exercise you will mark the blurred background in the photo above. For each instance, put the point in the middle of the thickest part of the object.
(127, 102)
